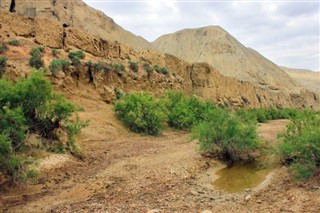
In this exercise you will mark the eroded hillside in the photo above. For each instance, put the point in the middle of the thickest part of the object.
(197, 78)
(78, 15)
(218, 48)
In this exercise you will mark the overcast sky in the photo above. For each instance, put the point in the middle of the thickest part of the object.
(286, 32)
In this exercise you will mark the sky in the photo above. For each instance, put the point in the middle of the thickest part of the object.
(286, 32)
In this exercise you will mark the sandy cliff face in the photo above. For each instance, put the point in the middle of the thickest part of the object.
(77, 14)
(192, 78)
(306, 78)
(222, 51)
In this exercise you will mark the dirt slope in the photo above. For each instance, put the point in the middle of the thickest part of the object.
(77, 14)
(197, 78)
(217, 47)
(307, 78)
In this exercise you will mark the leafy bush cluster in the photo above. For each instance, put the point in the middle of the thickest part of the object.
(301, 144)
(133, 66)
(31, 106)
(55, 52)
(3, 63)
(141, 113)
(76, 56)
(162, 70)
(148, 68)
(3, 47)
(107, 67)
(220, 132)
(14, 42)
(58, 65)
(36, 60)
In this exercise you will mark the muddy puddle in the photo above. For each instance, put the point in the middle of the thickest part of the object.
(243, 176)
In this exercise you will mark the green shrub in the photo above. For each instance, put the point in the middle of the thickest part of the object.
(141, 113)
(149, 69)
(3, 63)
(301, 142)
(13, 124)
(3, 48)
(79, 54)
(185, 112)
(133, 66)
(118, 93)
(119, 68)
(55, 52)
(14, 42)
(31, 106)
(103, 66)
(76, 57)
(226, 136)
(58, 65)
(36, 60)
(162, 70)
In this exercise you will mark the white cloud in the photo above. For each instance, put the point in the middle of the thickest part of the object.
(286, 32)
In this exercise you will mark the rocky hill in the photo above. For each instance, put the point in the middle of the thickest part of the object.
(307, 78)
(222, 51)
(192, 78)
(78, 15)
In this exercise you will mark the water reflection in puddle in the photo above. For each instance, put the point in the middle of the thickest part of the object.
(242, 176)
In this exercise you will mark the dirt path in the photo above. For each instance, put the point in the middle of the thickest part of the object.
(126, 172)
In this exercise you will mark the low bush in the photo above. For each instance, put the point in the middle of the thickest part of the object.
(59, 65)
(227, 137)
(76, 57)
(3, 63)
(141, 113)
(133, 66)
(148, 68)
(185, 112)
(79, 54)
(36, 60)
(14, 42)
(55, 52)
(3, 48)
(162, 70)
(301, 142)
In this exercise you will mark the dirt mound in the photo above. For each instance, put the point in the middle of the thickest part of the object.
(222, 51)
(78, 15)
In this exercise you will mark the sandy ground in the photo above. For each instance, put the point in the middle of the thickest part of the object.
(127, 172)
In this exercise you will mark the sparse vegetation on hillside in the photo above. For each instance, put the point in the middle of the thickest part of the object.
(32, 106)
(3, 47)
(36, 60)
(133, 66)
(59, 65)
(149, 69)
(162, 70)
(55, 52)
(76, 56)
(14, 42)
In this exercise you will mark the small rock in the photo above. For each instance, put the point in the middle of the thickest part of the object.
(207, 211)
(248, 197)
(195, 193)
(259, 201)
(153, 211)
